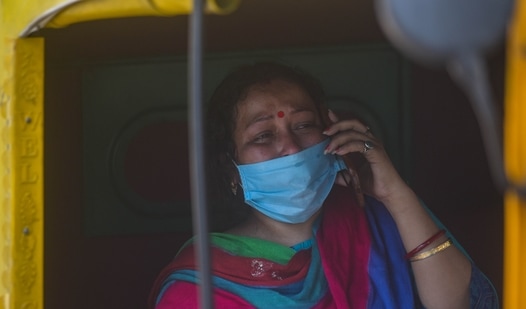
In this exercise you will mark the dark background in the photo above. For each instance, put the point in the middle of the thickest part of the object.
(449, 169)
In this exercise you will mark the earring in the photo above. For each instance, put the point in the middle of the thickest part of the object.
(233, 188)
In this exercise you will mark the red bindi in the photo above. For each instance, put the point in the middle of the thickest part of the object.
(281, 114)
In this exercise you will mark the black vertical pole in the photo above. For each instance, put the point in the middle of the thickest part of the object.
(197, 161)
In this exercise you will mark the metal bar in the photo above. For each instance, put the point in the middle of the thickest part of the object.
(514, 285)
(22, 207)
(197, 162)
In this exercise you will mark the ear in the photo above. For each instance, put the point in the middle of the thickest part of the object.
(233, 176)
(233, 188)
(234, 183)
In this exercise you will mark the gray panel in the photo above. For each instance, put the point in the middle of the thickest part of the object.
(123, 99)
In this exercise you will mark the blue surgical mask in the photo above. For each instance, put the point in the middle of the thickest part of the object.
(291, 188)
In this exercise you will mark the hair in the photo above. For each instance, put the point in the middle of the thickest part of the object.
(221, 124)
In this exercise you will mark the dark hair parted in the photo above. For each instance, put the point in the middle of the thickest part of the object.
(222, 115)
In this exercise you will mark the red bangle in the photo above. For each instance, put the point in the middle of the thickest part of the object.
(424, 244)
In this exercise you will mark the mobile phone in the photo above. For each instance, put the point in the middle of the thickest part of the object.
(351, 160)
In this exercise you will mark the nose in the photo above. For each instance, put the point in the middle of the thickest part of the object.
(289, 144)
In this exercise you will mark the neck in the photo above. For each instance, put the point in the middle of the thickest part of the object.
(260, 226)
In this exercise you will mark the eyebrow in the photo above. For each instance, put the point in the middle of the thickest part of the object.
(265, 117)
(258, 118)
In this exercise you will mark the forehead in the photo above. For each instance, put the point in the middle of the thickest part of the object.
(276, 93)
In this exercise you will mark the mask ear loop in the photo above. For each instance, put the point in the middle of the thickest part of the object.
(347, 178)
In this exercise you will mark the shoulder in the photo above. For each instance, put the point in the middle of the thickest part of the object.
(179, 295)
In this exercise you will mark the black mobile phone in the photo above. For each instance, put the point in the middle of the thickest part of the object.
(353, 161)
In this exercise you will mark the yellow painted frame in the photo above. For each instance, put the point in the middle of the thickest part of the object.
(21, 136)
(22, 152)
(515, 156)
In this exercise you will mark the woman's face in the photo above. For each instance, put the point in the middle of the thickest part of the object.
(275, 119)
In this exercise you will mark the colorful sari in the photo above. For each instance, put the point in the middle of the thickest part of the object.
(355, 259)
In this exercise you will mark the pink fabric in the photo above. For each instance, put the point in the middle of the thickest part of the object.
(233, 268)
(185, 295)
(238, 268)
(344, 249)
(343, 240)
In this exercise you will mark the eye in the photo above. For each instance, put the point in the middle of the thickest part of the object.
(305, 126)
(263, 137)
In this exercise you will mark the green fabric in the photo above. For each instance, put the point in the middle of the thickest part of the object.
(250, 247)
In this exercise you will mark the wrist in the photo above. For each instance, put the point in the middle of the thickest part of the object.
(400, 199)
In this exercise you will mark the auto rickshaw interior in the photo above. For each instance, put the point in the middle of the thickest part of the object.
(117, 205)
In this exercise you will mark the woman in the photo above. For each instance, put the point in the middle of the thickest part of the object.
(306, 241)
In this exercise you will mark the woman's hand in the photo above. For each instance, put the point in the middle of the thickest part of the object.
(443, 280)
(377, 175)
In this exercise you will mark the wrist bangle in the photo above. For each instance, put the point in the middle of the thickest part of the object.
(424, 244)
(424, 255)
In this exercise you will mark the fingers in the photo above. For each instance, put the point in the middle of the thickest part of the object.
(352, 141)
(345, 125)
(376, 173)
(332, 116)
(348, 136)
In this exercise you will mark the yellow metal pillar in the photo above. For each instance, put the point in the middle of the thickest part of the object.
(514, 296)
(21, 144)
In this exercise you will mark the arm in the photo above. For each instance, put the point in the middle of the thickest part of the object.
(443, 279)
